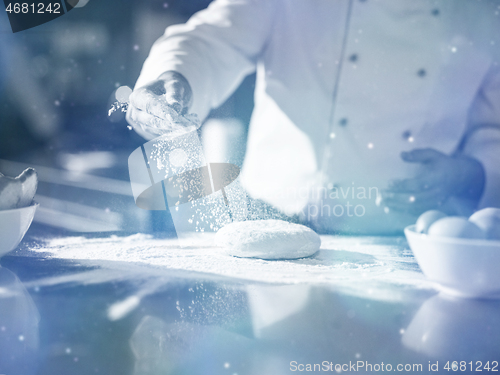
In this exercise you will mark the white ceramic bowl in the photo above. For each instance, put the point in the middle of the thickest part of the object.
(462, 267)
(13, 226)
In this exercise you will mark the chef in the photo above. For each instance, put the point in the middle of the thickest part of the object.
(367, 112)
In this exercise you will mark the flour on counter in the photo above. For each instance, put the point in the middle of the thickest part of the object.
(367, 266)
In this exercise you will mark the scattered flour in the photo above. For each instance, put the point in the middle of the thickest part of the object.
(173, 124)
(372, 267)
(118, 106)
(268, 239)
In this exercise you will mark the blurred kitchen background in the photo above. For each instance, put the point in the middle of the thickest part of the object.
(57, 82)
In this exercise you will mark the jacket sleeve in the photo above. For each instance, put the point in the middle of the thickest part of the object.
(483, 136)
(214, 50)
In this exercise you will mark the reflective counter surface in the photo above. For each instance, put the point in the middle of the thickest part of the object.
(70, 316)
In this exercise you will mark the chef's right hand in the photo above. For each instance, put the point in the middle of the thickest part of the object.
(154, 108)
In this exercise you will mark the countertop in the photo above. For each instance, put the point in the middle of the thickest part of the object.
(138, 304)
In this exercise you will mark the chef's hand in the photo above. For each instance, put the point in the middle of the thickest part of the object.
(154, 108)
(442, 177)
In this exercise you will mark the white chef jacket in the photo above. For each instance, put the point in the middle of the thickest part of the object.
(343, 87)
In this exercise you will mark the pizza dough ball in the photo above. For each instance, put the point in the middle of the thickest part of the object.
(427, 219)
(18, 192)
(488, 220)
(456, 227)
(268, 239)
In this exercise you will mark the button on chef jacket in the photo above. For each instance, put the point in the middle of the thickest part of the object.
(343, 87)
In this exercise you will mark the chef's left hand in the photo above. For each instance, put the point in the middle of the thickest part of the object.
(441, 177)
